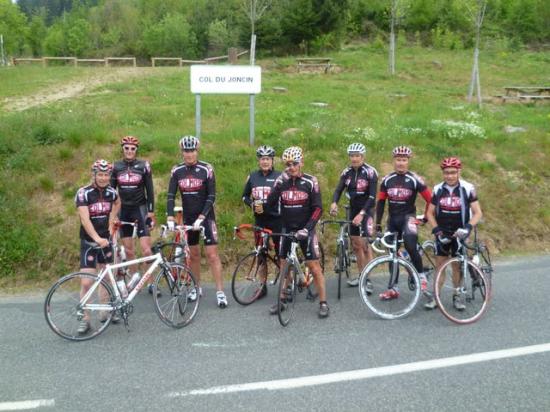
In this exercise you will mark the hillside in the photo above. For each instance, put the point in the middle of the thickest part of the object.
(46, 149)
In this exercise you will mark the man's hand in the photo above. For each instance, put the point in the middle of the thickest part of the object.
(333, 209)
(357, 219)
(103, 243)
(151, 220)
(171, 224)
(197, 224)
(302, 234)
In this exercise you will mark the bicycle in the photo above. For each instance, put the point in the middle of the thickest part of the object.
(473, 286)
(253, 270)
(66, 304)
(383, 274)
(292, 280)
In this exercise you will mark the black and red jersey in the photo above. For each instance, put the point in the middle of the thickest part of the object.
(400, 190)
(258, 187)
(300, 198)
(452, 204)
(99, 203)
(360, 184)
(197, 185)
(134, 181)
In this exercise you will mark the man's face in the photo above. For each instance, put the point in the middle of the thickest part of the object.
(102, 179)
(294, 168)
(451, 175)
(129, 151)
(265, 163)
(190, 156)
(356, 159)
(401, 164)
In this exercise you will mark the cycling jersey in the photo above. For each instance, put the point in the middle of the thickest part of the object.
(135, 183)
(197, 185)
(300, 198)
(361, 185)
(401, 190)
(258, 187)
(452, 204)
(99, 203)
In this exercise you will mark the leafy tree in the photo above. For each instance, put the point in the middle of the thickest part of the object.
(12, 27)
(173, 36)
(54, 43)
(37, 32)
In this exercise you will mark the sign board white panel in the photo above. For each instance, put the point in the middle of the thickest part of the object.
(226, 79)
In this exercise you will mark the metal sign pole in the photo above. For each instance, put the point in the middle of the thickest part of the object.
(198, 116)
(252, 125)
(252, 97)
(3, 61)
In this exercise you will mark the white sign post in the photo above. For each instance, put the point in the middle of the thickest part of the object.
(224, 80)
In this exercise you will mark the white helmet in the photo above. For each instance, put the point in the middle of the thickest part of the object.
(292, 154)
(357, 148)
(189, 143)
(265, 151)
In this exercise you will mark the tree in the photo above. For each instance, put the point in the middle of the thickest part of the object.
(173, 36)
(477, 13)
(397, 13)
(37, 32)
(254, 10)
(12, 27)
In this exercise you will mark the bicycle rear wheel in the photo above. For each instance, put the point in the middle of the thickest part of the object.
(173, 252)
(342, 266)
(250, 276)
(288, 286)
(173, 306)
(383, 274)
(472, 291)
(64, 309)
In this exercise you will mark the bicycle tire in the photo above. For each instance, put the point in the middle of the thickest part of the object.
(378, 271)
(173, 252)
(286, 299)
(248, 280)
(341, 266)
(173, 306)
(62, 312)
(474, 290)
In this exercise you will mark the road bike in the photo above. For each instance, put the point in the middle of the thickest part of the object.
(255, 270)
(95, 299)
(463, 295)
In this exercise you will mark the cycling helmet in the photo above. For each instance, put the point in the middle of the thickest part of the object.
(265, 151)
(101, 165)
(189, 143)
(402, 151)
(451, 162)
(129, 140)
(356, 148)
(292, 154)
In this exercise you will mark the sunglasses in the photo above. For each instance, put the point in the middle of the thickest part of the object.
(290, 164)
(130, 148)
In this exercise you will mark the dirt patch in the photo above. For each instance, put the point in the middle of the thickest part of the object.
(78, 88)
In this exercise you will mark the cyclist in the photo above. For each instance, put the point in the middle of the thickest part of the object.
(98, 205)
(301, 208)
(400, 189)
(453, 212)
(256, 190)
(134, 180)
(360, 181)
(197, 184)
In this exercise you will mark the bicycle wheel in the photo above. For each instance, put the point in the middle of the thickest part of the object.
(472, 291)
(383, 274)
(342, 266)
(64, 309)
(322, 256)
(250, 276)
(175, 282)
(286, 300)
(427, 252)
(173, 252)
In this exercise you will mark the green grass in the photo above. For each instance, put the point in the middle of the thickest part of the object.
(46, 151)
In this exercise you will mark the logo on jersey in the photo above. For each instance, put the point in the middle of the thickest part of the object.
(99, 209)
(261, 192)
(190, 184)
(294, 197)
(129, 179)
(399, 193)
(450, 203)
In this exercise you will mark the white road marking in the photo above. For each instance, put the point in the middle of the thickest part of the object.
(295, 383)
(23, 405)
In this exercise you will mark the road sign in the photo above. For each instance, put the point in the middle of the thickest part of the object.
(226, 79)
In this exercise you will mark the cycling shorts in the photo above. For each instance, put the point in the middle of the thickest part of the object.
(309, 246)
(133, 214)
(210, 233)
(91, 255)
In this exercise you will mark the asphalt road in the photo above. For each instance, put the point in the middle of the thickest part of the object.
(154, 367)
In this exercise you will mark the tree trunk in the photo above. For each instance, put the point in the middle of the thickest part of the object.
(392, 46)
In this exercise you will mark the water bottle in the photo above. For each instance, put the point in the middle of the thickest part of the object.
(178, 254)
(122, 288)
(404, 254)
(134, 281)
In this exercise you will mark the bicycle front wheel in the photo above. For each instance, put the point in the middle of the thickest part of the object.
(462, 299)
(288, 286)
(383, 274)
(171, 295)
(65, 311)
(250, 276)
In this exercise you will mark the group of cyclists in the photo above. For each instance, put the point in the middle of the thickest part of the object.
(283, 201)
